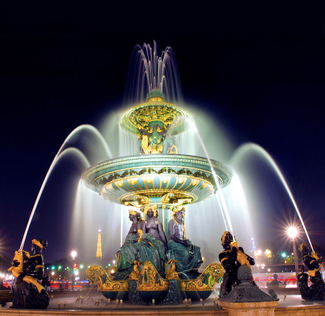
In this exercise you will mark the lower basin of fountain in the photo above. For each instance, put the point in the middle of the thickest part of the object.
(148, 286)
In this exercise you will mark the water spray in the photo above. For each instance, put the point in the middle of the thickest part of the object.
(222, 202)
(262, 152)
(59, 154)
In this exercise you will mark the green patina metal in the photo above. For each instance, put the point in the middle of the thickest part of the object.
(172, 117)
(156, 176)
(158, 179)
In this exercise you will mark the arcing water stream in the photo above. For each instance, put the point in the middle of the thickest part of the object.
(219, 194)
(258, 150)
(61, 152)
(147, 71)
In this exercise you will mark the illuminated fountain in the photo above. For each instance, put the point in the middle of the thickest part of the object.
(159, 172)
(158, 177)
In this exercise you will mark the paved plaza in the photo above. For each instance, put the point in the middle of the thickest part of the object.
(67, 302)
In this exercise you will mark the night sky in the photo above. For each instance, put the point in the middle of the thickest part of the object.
(260, 69)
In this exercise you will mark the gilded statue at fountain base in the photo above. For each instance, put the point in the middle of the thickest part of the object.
(28, 270)
(238, 285)
(316, 291)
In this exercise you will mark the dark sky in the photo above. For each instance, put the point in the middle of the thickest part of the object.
(260, 68)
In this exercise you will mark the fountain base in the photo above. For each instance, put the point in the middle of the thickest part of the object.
(148, 287)
(249, 308)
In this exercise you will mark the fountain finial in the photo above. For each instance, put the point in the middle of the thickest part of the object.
(155, 95)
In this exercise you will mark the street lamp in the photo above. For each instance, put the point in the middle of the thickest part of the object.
(293, 233)
(73, 256)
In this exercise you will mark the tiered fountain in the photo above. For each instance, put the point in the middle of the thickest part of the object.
(161, 178)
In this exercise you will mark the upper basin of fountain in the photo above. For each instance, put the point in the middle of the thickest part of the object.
(156, 179)
(171, 117)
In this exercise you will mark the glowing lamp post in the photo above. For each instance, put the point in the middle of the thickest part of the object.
(293, 233)
(73, 256)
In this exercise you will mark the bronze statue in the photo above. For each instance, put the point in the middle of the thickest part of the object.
(152, 138)
(28, 270)
(186, 255)
(316, 291)
(152, 243)
(152, 224)
(135, 218)
(129, 250)
(231, 258)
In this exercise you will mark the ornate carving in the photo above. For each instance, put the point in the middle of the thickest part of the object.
(171, 273)
(188, 178)
(150, 279)
(105, 283)
(206, 281)
(156, 109)
(135, 274)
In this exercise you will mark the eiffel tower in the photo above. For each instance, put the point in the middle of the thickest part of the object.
(99, 253)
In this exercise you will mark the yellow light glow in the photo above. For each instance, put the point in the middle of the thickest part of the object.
(268, 253)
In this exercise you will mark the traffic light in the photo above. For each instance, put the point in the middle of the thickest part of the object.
(75, 266)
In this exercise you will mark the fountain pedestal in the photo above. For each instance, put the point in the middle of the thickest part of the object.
(249, 308)
(247, 299)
